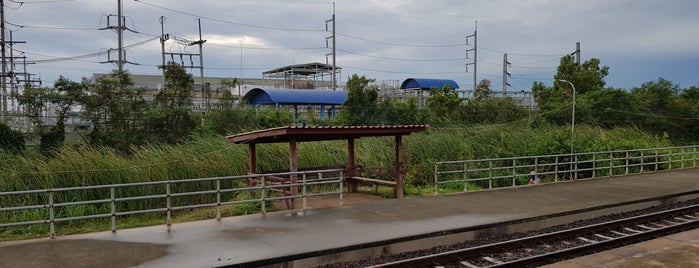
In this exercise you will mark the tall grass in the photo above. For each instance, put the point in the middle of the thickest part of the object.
(213, 156)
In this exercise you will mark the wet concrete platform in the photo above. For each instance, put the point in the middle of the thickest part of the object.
(305, 233)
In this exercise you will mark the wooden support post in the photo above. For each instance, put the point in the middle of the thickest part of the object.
(252, 161)
(293, 168)
(399, 167)
(351, 168)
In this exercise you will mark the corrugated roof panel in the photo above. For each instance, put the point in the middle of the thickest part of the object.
(269, 96)
(427, 83)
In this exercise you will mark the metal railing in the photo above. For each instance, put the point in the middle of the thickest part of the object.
(514, 171)
(51, 206)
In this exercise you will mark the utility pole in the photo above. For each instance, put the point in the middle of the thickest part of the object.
(577, 53)
(119, 28)
(334, 84)
(475, 56)
(163, 38)
(120, 33)
(3, 84)
(505, 74)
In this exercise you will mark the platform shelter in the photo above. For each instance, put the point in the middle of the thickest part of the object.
(296, 134)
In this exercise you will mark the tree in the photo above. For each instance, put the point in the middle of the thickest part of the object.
(116, 110)
(483, 90)
(587, 77)
(172, 121)
(360, 108)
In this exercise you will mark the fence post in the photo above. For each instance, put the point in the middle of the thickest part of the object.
(303, 191)
(435, 179)
(576, 166)
(627, 164)
(490, 174)
(656, 160)
(263, 195)
(556, 170)
(514, 172)
(341, 190)
(594, 165)
(465, 176)
(218, 200)
(642, 162)
(694, 157)
(112, 201)
(682, 166)
(611, 164)
(52, 228)
(167, 203)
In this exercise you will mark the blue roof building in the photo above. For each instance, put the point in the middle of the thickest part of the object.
(427, 83)
(295, 97)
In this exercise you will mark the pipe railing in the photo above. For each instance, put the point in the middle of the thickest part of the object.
(515, 171)
(58, 205)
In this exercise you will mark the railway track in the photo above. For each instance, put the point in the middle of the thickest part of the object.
(561, 245)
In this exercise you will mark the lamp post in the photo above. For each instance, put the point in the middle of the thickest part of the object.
(572, 125)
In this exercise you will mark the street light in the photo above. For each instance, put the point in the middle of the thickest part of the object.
(572, 125)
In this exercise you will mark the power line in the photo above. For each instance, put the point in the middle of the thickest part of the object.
(50, 27)
(79, 57)
(396, 72)
(229, 22)
(398, 59)
(401, 45)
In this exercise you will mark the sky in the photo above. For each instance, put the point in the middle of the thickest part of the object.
(385, 40)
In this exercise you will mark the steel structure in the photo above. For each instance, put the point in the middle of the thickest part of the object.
(301, 75)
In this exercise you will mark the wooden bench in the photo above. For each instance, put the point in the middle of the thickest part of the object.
(375, 182)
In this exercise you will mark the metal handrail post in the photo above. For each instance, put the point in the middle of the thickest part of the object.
(627, 164)
(514, 172)
(341, 189)
(263, 195)
(52, 223)
(556, 170)
(611, 164)
(218, 200)
(594, 165)
(490, 174)
(112, 203)
(642, 162)
(303, 191)
(465, 176)
(167, 203)
(436, 182)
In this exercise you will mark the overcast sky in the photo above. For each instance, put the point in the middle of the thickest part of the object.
(640, 40)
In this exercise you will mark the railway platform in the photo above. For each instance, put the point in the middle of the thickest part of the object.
(257, 240)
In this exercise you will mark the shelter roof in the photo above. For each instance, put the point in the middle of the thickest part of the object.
(427, 83)
(294, 96)
(322, 133)
(303, 69)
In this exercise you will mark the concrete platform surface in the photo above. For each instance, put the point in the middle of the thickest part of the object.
(256, 237)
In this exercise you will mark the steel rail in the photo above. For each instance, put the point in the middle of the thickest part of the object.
(459, 255)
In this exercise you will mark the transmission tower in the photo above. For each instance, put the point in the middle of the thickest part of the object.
(475, 55)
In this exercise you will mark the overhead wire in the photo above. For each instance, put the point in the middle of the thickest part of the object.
(228, 22)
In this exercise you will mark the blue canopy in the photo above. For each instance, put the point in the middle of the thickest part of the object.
(427, 83)
(269, 96)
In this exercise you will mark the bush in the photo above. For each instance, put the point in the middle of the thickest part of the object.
(11, 141)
